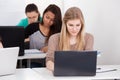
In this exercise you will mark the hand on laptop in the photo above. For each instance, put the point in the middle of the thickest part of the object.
(1, 46)
(50, 66)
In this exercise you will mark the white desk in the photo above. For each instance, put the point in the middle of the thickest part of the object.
(31, 54)
(22, 74)
(48, 75)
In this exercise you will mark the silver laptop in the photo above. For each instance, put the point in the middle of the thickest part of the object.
(8, 60)
(75, 63)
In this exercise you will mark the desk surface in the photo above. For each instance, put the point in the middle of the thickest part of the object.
(48, 75)
(44, 74)
(32, 54)
(23, 74)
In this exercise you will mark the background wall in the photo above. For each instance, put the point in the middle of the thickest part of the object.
(11, 11)
(42, 4)
(102, 18)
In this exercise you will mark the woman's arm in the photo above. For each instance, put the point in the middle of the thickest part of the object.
(89, 41)
(52, 47)
(1, 46)
(50, 65)
(44, 49)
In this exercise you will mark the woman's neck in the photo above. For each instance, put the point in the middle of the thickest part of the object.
(72, 40)
(44, 29)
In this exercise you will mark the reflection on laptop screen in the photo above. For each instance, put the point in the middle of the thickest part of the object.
(13, 36)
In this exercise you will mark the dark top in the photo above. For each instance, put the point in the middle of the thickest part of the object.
(31, 28)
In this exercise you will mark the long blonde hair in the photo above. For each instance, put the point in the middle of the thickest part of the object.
(64, 43)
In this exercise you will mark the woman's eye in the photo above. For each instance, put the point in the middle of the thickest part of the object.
(70, 25)
(47, 17)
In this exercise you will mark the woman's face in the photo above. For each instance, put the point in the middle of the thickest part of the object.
(48, 18)
(73, 27)
(32, 16)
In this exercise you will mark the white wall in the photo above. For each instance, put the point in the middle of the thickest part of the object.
(102, 19)
(107, 30)
(12, 11)
(42, 4)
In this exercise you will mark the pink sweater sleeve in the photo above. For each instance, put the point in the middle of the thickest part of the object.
(89, 41)
(52, 47)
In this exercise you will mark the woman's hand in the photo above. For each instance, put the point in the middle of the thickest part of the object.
(44, 49)
(50, 65)
(1, 46)
(27, 40)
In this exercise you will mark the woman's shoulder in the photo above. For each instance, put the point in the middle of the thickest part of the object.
(88, 35)
(54, 39)
(34, 24)
(31, 28)
(55, 36)
(24, 20)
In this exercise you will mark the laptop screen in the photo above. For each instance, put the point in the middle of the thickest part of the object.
(8, 60)
(13, 36)
(75, 63)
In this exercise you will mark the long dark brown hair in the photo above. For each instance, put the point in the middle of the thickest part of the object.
(56, 27)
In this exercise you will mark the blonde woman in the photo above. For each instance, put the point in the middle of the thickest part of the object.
(72, 36)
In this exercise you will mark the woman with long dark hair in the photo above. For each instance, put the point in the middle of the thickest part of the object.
(39, 32)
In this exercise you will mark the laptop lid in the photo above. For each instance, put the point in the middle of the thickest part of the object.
(13, 36)
(8, 60)
(75, 63)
